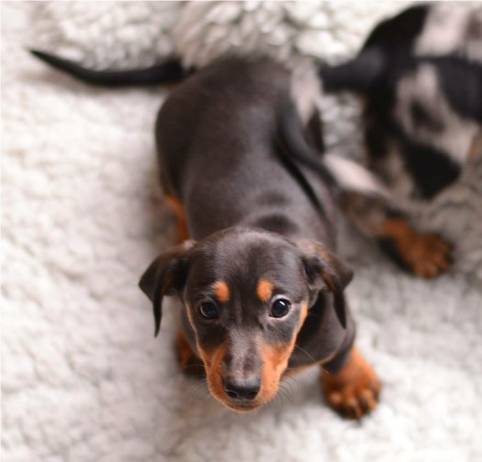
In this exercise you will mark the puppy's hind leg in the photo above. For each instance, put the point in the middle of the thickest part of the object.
(178, 210)
(372, 209)
(423, 254)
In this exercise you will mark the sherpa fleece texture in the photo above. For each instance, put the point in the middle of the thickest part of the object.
(83, 379)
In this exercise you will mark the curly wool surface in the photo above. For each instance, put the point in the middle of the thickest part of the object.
(83, 378)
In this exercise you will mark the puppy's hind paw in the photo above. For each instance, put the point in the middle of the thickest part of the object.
(352, 392)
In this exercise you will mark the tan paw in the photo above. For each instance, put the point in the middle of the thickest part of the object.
(429, 256)
(353, 391)
(426, 255)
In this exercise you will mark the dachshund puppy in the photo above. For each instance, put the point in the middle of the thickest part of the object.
(260, 284)
(419, 77)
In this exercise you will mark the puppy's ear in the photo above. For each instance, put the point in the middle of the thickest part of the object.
(325, 271)
(166, 275)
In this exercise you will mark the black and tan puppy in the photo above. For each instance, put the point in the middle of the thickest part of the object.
(419, 76)
(260, 285)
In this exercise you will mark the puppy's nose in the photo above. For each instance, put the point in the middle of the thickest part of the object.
(242, 389)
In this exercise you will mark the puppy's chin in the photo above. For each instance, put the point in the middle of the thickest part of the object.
(241, 408)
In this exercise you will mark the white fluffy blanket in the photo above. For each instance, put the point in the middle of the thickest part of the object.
(83, 377)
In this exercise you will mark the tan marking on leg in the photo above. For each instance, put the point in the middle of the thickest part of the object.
(184, 351)
(176, 207)
(188, 361)
(264, 290)
(221, 291)
(353, 391)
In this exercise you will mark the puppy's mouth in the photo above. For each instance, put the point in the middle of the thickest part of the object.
(241, 407)
(247, 396)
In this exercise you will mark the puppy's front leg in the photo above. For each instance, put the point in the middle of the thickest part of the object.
(190, 364)
(352, 391)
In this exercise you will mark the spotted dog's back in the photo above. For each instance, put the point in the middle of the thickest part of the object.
(420, 76)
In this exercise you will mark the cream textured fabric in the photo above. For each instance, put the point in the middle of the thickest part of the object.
(83, 378)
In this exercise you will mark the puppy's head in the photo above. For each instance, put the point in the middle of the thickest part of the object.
(246, 294)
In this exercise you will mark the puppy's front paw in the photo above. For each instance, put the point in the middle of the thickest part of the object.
(426, 255)
(353, 391)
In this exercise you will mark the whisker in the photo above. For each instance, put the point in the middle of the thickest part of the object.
(306, 353)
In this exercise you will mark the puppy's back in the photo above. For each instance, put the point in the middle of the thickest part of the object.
(230, 105)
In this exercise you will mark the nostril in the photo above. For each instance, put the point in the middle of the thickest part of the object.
(242, 390)
(230, 389)
(232, 394)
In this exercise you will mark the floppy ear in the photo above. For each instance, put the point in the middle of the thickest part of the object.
(325, 271)
(166, 275)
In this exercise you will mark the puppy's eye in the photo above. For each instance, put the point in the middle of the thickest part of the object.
(280, 308)
(208, 310)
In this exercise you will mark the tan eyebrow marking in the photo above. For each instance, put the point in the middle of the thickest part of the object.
(221, 291)
(264, 289)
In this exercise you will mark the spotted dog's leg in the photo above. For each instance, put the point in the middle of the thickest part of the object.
(178, 211)
(353, 391)
(423, 254)
(189, 363)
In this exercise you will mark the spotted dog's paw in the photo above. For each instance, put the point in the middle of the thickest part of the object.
(353, 391)
(430, 255)
(426, 255)
(189, 363)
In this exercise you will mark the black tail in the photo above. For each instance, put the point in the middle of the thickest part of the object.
(169, 71)
(294, 151)
(291, 137)
(358, 75)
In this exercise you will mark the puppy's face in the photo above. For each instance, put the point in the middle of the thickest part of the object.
(246, 295)
(246, 298)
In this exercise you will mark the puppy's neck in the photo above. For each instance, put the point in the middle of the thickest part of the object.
(288, 226)
(275, 222)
